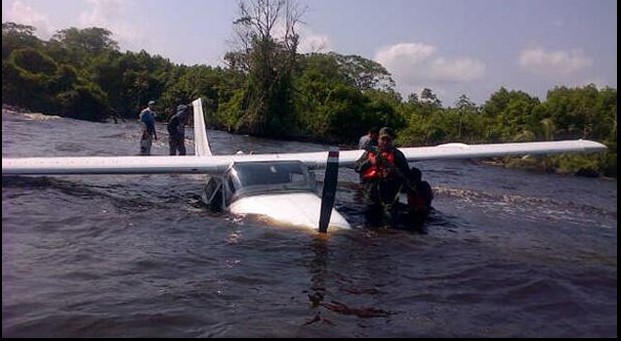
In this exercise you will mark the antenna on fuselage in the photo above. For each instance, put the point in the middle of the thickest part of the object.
(329, 189)
(201, 142)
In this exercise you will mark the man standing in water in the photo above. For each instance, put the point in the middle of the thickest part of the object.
(383, 170)
(176, 130)
(147, 118)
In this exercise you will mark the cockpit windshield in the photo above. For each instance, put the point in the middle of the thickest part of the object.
(267, 176)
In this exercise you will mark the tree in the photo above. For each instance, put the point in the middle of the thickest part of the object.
(509, 113)
(92, 39)
(464, 105)
(427, 96)
(364, 74)
(548, 129)
(413, 98)
(267, 105)
(26, 77)
(18, 36)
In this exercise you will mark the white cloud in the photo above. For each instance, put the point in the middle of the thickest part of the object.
(415, 66)
(411, 53)
(457, 70)
(553, 63)
(115, 15)
(22, 13)
(309, 41)
(101, 13)
(312, 42)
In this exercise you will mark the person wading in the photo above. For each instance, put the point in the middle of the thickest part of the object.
(383, 171)
(176, 130)
(147, 118)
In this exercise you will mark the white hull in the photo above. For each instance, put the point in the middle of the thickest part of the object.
(295, 209)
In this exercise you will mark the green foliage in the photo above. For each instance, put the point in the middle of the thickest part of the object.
(18, 36)
(92, 40)
(332, 103)
(608, 161)
(84, 102)
(576, 163)
(363, 74)
(22, 88)
(26, 77)
(65, 78)
(509, 114)
(33, 61)
(428, 97)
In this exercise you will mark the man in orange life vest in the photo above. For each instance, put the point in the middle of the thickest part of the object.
(383, 170)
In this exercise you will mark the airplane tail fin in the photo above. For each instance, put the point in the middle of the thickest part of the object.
(201, 142)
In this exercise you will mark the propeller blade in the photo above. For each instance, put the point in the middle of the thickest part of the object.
(329, 189)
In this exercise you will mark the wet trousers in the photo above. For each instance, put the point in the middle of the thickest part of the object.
(381, 202)
(176, 144)
(145, 143)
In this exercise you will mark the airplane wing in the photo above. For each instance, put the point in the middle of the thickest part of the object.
(217, 164)
(205, 162)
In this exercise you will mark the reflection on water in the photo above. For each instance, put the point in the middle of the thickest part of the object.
(509, 253)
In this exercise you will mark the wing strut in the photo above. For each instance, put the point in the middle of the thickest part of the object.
(329, 189)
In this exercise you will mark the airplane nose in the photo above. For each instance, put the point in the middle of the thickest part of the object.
(296, 209)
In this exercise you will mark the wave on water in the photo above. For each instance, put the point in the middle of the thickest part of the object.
(517, 200)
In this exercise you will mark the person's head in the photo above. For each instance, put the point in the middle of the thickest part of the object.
(385, 138)
(151, 104)
(184, 111)
(416, 175)
(374, 133)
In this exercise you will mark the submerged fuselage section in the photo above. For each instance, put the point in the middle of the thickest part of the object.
(283, 191)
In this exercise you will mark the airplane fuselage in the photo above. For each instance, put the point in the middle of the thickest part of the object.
(282, 191)
(295, 209)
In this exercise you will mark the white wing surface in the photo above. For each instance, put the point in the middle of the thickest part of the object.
(217, 164)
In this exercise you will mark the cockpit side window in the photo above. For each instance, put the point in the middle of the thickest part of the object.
(232, 185)
(213, 194)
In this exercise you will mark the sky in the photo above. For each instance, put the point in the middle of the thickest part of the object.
(452, 47)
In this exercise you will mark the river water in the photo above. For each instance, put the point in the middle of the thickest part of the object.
(508, 253)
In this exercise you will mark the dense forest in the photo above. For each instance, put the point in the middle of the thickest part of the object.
(269, 89)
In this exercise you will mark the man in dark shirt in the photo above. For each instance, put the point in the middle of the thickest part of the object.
(176, 130)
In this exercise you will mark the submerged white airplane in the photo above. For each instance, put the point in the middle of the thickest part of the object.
(277, 186)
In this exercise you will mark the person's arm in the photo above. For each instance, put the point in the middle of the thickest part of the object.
(402, 170)
(428, 192)
(150, 123)
(172, 125)
(402, 163)
(363, 163)
(153, 115)
(362, 142)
